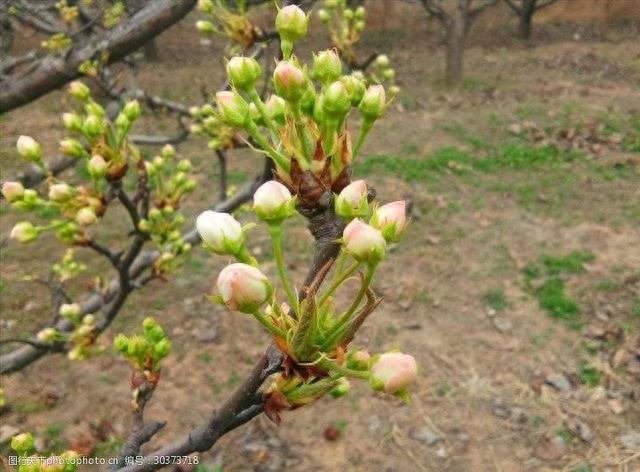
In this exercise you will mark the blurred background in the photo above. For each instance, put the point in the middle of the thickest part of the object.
(517, 286)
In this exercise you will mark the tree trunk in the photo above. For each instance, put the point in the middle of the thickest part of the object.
(456, 32)
(526, 16)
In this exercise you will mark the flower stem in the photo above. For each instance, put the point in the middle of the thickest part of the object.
(338, 280)
(328, 364)
(243, 255)
(270, 327)
(255, 97)
(364, 131)
(275, 230)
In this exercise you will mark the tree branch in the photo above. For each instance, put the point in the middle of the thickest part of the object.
(54, 71)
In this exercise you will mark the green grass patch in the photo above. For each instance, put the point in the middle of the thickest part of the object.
(572, 263)
(589, 375)
(553, 298)
(496, 298)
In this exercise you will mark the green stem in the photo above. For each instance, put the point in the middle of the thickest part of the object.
(255, 97)
(334, 332)
(268, 325)
(364, 131)
(243, 255)
(328, 364)
(338, 280)
(275, 230)
(278, 158)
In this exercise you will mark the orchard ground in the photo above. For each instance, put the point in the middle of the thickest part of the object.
(517, 286)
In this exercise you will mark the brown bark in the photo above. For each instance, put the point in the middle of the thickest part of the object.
(456, 33)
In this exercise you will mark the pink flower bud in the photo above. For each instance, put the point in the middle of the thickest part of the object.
(86, 216)
(60, 192)
(79, 90)
(97, 166)
(363, 242)
(29, 148)
(24, 232)
(233, 109)
(243, 287)
(291, 23)
(391, 219)
(352, 201)
(272, 201)
(289, 81)
(393, 372)
(373, 103)
(12, 191)
(243, 72)
(221, 232)
(327, 66)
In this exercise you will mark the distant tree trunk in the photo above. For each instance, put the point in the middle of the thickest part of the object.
(456, 34)
(526, 16)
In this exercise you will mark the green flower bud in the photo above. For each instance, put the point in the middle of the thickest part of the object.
(122, 122)
(29, 148)
(327, 66)
(355, 87)
(24, 232)
(276, 109)
(373, 103)
(93, 126)
(72, 147)
(47, 335)
(205, 27)
(382, 61)
(233, 109)
(61, 192)
(168, 151)
(336, 101)
(22, 443)
(341, 389)
(389, 74)
(189, 185)
(121, 343)
(359, 26)
(360, 13)
(205, 6)
(162, 348)
(132, 110)
(348, 14)
(79, 90)
(291, 23)
(184, 165)
(243, 72)
(89, 319)
(324, 15)
(289, 81)
(72, 121)
(92, 108)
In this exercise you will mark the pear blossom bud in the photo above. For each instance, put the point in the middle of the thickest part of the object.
(391, 219)
(336, 101)
(324, 15)
(373, 103)
(122, 122)
(168, 151)
(86, 216)
(394, 90)
(93, 108)
(382, 61)
(97, 166)
(184, 165)
(243, 72)
(272, 201)
(341, 389)
(393, 372)
(22, 443)
(132, 110)
(72, 147)
(347, 14)
(70, 310)
(93, 126)
(352, 200)
(79, 90)
(89, 319)
(24, 232)
(221, 232)
(233, 109)
(355, 87)
(363, 242)
(205, 27)
(327, 66)
(276, 108)
(243, 287)
(360, 13)
(121, 343)
(12, 191)
(289, 81)
(72, 121)
(291, 23)
(359, 26)
(205, 6)
(358, 360)
(389, 74)
(29, 148)
(60, 192)
(46, 335)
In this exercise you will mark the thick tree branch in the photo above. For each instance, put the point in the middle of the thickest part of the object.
(54, 71)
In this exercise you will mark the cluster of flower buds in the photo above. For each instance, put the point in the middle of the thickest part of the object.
(24, 446)
(146, 350)
(345, 24)
(68, 267)
(208, 124)
(303, 128)
(231, 23)
(311, 332)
